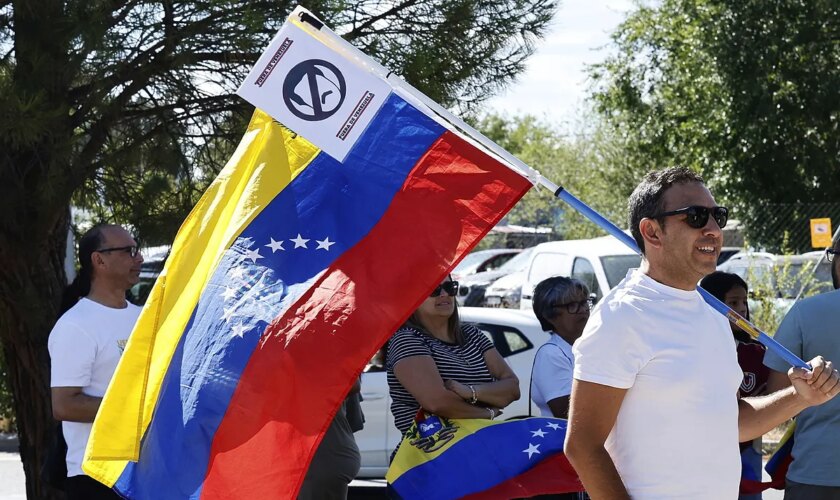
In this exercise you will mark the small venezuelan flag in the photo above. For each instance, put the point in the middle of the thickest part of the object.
(482, 459)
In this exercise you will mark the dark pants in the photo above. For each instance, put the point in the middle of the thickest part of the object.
(86, 488)
(799, 491)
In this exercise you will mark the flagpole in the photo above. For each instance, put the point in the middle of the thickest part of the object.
(478, 139)
(710, 299)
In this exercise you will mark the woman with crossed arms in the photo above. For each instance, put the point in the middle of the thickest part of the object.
(447, 368)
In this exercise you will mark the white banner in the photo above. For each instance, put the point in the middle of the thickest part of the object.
(315, 91)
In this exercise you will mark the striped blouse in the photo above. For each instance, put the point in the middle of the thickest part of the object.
(464, 364)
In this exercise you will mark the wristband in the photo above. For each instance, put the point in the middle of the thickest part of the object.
(492, 413)
(474, 398)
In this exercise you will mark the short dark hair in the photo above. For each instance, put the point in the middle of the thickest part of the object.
(646, 200)
(720, 283)
(552, 291)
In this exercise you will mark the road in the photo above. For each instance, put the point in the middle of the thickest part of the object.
(12, 483)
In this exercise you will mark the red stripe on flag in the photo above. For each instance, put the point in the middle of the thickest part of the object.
(553, 475)
(309, 358)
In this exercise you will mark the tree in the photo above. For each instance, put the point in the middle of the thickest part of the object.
(124, 100)
(589, 164)
(743, 91)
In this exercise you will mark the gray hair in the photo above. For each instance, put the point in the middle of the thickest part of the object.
(552, 291)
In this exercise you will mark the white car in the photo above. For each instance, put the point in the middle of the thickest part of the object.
(517, 336)
(601, 263)
(786, 277)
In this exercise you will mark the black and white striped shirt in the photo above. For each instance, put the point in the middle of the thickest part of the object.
(463, 363)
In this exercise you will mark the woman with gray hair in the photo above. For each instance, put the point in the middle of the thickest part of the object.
(562, 306)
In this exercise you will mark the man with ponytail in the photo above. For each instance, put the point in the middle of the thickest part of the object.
(87, 341)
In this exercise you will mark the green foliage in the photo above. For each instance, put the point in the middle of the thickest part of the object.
(773, 290)
(743, 91)
(590, 166)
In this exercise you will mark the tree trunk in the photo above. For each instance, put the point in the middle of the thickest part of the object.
(31, 283)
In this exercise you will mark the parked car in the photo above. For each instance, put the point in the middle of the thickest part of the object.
(483, 260)
(727, 252)
(601, 263)
(517, 336)
(784, 277)
(473, 287)
(153, 260)
(505, 292)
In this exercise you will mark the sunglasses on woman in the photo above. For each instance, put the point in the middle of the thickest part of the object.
(450, 287)
(697, 216)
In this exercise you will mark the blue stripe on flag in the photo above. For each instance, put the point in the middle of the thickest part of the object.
(328, 199)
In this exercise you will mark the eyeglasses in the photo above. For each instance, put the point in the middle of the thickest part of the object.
(576, 307)
(830, 253)
(697, 216)
(450, 287)
(130, 250)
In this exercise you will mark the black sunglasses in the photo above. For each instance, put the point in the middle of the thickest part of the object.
(830, 253)
(132, 250)
(450, 287)
(578, 307)
(697, 216)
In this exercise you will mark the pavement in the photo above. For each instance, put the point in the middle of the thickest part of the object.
(13, 483)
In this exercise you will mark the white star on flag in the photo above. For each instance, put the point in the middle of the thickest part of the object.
(239, 330)
(253, 255)
(538, 432)
(553, 425)
(237, 273)
(300, 241)
(325, 244)
(532, 448)
(227, 313)
(275, 245)
(229, 293)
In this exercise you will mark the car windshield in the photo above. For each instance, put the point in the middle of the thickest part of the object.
(787, 279)
(616, 267)
(801, 274)
(471, 260)
(517, 263)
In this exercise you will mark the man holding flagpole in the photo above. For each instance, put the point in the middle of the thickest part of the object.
(654, 408)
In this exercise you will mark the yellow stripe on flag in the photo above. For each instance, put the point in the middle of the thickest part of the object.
(411, 456)
(268, 158)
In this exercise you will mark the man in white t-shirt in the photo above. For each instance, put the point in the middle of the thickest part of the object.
(86, 343)
(654, 407)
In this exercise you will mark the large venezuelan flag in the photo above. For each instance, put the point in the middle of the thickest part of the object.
(482, 459)
(292, 270)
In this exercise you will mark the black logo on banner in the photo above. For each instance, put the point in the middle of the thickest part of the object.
(314, 90)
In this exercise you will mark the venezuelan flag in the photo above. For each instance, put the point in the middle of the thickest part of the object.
(482, 459)
(291, 271)
(779, 463)
(776, 467)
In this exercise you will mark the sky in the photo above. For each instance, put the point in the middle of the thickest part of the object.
(554, 83)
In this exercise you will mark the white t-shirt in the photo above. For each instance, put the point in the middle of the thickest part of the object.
(676, 434)
(552, 374)
(85, 346)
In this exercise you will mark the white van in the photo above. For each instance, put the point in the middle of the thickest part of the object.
(601, 263)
